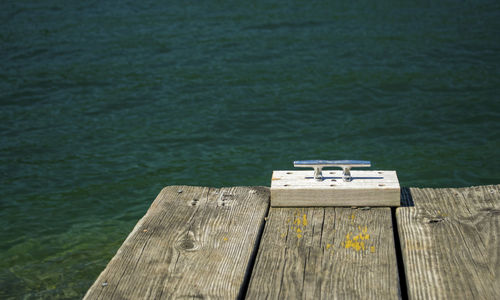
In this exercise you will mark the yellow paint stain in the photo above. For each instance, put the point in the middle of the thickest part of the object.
(372, 249)
(298, 230)
(356, 242)
(283, 235)
(275, 178)
(304, 221)
(356, 246)
(328, 246)
(288, 221)
(297, 221)
(299, 235)
(352, 219)
(225, 239)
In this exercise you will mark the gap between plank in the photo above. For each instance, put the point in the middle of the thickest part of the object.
(248, 273)
(399, 256)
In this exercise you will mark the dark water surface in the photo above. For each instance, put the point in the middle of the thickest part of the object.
(102, 103)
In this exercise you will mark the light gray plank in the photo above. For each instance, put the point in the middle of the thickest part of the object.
(368, 188)
(326, 253)
(193, 242)
(450, 243)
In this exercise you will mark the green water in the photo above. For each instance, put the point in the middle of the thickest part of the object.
(102, 103)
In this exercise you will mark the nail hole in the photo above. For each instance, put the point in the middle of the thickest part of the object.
(381, 184)
(380, 172)
(331, 172)
(436, 220)
(287, 185)
(332, 184)
(289, 172)
(334, 179)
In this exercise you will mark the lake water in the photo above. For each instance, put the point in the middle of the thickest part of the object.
(102, 103)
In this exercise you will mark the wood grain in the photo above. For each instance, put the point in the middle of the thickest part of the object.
(326, 253)
(450, 243)
(193, 242)
(367, 188)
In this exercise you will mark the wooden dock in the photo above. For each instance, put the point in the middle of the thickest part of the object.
(200, 242)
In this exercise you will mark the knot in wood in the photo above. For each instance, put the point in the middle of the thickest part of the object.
(187, 242)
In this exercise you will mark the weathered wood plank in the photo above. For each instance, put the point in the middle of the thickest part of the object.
(367, 188)
(193, 242)
(326, 253)
(450, 243)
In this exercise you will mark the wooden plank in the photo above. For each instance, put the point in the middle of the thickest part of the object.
(326, 253)
(367, 188)
(193, 242)
(450, 243)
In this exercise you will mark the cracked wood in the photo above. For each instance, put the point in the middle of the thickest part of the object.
(193, 242)
(326, 253)
(450, 243)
